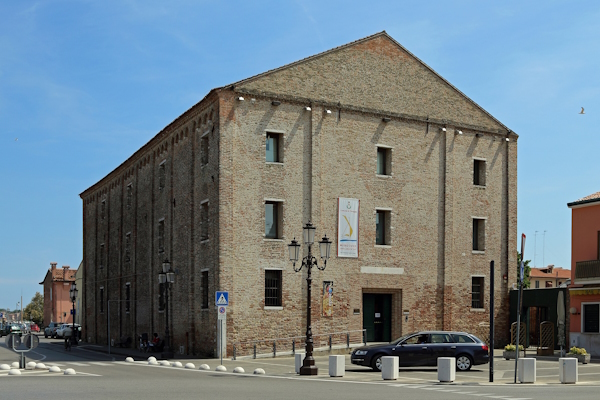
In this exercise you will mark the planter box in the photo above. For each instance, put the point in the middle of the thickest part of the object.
(582, 358)
(511, 355)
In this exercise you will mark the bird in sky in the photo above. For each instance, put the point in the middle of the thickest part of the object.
(582, 111)
(16, 139)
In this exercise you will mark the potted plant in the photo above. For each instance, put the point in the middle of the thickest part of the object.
(510, 351)
(580, 354)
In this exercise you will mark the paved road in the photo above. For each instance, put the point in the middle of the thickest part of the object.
(101, 376)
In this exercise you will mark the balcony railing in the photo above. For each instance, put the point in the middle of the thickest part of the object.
(586, 271)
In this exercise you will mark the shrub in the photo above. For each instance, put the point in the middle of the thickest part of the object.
(512, 347)
(577, 351)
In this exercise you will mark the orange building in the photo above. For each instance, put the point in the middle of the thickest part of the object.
(548, 277)
(585, 274)
(57, 302)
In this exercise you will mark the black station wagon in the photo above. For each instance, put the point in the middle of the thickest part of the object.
(424, 348)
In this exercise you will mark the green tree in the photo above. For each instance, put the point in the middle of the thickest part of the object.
(526, 270)
(35, 310)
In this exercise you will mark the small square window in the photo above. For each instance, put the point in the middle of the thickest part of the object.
(273, 288)
(273, 147)
(478, 234)
(591, 317)
(273, 219)
(384, 161)
(479, 172)
(382, 227)
(477, 292)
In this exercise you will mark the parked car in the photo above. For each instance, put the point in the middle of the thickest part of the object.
(65, 330)
(424, 348)
(35, 328)
(11, 328)
(50, 330)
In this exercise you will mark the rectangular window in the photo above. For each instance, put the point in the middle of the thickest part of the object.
(273, 147)
(102, 209)
(128, 247)
(273, 219)
(204, 221)
(477, 292)
(204, 149)
(101, 256)
(548, 283)
(101, 299)
(129, 195)
(478, 234)
(591, 317)
(384, 163)
(479, 172)
(161, 296)
(537, 284)
(382, 227)
(161, 236)
(127, 297)
(162, 176)
(273, 288)
(204, 289)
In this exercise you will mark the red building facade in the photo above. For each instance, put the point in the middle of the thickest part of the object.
(585, 274)
(57, 303)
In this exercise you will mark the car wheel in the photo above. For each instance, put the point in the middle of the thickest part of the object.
(376, 362)
(463, 362)
(45, 335)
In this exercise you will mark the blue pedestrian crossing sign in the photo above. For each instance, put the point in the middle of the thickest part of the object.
(222, 299)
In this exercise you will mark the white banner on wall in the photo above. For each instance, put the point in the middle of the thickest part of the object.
(348, 227)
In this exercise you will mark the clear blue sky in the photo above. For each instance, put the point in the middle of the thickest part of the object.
(84, 84)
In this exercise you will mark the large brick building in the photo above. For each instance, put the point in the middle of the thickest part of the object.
(222, 190)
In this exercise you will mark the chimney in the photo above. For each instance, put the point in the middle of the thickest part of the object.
(53, 266)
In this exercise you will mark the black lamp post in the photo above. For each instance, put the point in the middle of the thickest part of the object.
(308, 365)
(167, 276)
(73, 294)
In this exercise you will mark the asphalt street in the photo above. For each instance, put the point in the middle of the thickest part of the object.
(99, 375)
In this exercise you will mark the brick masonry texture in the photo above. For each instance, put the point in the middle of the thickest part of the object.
(430, 193)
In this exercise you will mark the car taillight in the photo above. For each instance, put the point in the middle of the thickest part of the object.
(485, 347)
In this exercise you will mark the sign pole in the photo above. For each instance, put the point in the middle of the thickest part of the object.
(519, 295)
(492, 321)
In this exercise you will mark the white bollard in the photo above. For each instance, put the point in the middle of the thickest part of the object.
(567, 370)
(298, 359)
(389, 368)
(337, 365)
(446, 369)
(527, 370)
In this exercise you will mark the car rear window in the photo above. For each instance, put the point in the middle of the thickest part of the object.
(463, 339)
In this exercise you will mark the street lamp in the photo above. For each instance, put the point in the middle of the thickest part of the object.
(167, 276)
(308, 365)
(73, 294)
